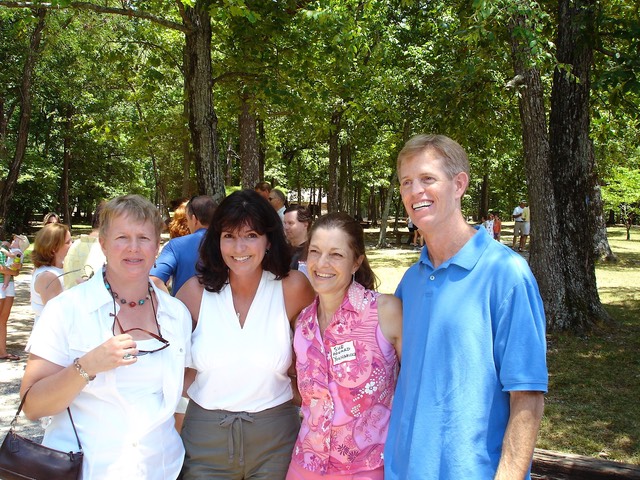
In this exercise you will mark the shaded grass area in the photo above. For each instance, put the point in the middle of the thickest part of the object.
(593, 404)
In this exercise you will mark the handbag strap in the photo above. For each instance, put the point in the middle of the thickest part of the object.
(15, 418)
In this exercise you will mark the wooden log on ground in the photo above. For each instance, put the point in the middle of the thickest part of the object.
(548, 465)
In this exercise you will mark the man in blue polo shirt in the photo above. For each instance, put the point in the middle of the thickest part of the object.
(469, 398)
(179, 256)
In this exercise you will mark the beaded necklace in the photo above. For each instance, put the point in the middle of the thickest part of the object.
(124, 301)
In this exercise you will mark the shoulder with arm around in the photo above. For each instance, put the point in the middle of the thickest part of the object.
(390, 320)
(297, 293)
(190, 294)
(47, 285)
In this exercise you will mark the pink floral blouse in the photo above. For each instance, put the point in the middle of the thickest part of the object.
(346, 379)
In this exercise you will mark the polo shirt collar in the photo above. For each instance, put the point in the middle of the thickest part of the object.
(468, 256)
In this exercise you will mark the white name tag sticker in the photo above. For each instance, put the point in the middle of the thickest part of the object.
(343, 352)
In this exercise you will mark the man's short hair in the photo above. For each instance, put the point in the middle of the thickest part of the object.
(279, 194)
(454, 158)
(202, 207)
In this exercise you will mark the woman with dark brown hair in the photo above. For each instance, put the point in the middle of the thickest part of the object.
(348, 344)
(241, 422)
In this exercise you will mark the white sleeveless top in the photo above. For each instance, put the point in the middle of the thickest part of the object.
(242, 369)
(36, 300)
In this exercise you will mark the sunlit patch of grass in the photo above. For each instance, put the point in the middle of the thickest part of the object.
(389, 266)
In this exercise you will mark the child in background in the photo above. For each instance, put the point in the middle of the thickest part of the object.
(497, 226)
(14, 255)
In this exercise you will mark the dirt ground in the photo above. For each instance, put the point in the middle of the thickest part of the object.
(18, 330)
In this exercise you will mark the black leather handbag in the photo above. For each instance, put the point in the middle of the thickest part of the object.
(23, 459)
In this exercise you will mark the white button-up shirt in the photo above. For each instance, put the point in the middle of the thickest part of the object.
(124, 434)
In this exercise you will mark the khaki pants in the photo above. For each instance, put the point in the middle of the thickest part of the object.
(238, 445)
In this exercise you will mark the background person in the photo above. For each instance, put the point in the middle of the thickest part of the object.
(85, 257)
(346, 395)
(50, 248)
(7, 296)
(497, 226)
(240, 422)
(50, 217)
(179, 224)
(518, 224)
(263, 188)
(526, 226)
(278, 202)
(14, 253)
(469, 398)
(178, 258)
(113, 349)
(297, 222)
(487, 223)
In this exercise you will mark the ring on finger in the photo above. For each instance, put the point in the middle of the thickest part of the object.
(127, 356)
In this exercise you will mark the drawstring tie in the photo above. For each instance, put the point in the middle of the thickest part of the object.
(229, 421)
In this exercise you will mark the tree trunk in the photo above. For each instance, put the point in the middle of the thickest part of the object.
(228, 170)
(601, 247)
(66, 166)
(262, 154)
(249, 148)
(334, 157)
(203, 123)
(185, 191)
(545, 256)
(382, 239)
(483, 207)
(345, 156)
(5, 116)
(25, 119)
(573, 166)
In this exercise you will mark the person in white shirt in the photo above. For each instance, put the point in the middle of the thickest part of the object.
(518, 225)
(113, 349)
(241, 422)
(278, 202)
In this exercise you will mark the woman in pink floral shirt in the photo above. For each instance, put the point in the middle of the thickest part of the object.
(348, 344)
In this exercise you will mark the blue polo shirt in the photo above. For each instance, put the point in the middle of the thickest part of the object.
(178, 259)
(473, 330)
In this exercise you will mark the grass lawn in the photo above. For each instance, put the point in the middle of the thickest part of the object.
(593, 405)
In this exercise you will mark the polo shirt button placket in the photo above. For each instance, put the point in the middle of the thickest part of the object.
(432, 277)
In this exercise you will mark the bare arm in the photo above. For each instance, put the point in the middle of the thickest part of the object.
(48, 286)
(191, 295)
(520, 437)
(297, 294)
(390, 319)
(159, 283)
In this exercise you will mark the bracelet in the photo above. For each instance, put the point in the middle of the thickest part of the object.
(81, 371)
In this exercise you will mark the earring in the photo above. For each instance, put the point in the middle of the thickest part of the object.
(266, 251)
(353, 277)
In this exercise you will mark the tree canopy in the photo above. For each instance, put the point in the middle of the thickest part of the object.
(171, 99)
